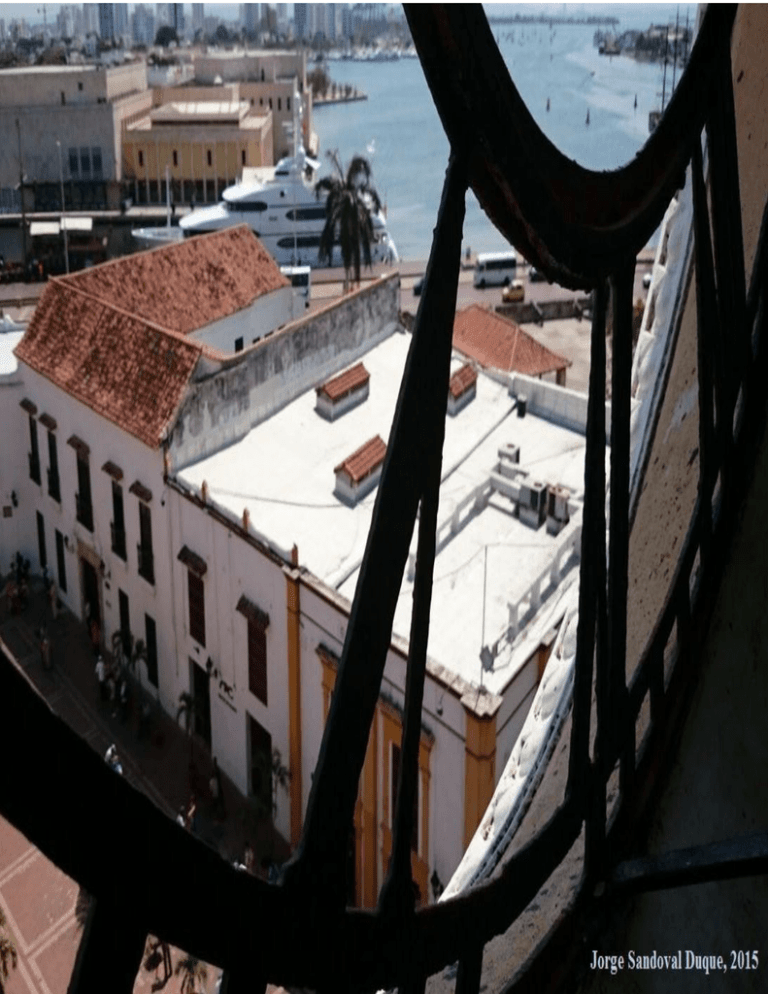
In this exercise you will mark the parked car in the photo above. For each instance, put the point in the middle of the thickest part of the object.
(647, 280)
(535, 275)
(418, 286)
(514, 291)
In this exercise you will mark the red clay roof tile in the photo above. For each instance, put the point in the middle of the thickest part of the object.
(364, 460)
(346, 382)
(495, 341)
(189, 284)
(462, 380)
(123, 368)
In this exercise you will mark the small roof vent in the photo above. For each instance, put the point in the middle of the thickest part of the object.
(343, 392)
(462, 388)
(360, 472)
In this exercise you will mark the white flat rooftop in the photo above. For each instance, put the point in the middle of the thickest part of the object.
(283, 472)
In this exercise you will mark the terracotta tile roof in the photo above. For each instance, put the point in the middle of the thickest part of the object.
(345, 383)
(364, 460)
(496, 342)
(189, 284)
(462, 380)
(123, 368)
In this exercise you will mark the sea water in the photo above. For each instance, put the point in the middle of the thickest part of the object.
(397, 128)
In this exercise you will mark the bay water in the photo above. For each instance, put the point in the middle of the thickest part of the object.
(397, 128)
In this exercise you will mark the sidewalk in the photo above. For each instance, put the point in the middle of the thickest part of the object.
(157, 762)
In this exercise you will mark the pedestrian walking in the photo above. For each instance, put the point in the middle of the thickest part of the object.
(45, 649)
(101, 676)
(113, 760)
(217, 793)
(95, 637)
(192, 814)
(122, 696)
(249, 859)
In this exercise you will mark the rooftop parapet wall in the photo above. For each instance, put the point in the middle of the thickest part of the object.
(232, 396)
(557, 404)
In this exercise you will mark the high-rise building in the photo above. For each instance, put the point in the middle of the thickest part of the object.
(143, 25)
(163, 14)
(252, 17)
(177, 18)
(106, 21)
(300, 25)
(198, 17)
(121, 21)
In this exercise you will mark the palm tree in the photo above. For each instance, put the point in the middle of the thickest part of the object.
(8, 957)
(351, 200)
(192, 973)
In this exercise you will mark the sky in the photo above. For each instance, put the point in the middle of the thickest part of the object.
(32, 12)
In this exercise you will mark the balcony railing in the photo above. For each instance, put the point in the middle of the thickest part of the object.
(84, 512)
(34, 467)
(118, 541)
(54, 486)
(146, 563)
(583, 229)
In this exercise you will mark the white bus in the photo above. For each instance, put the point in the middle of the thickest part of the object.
(495, 269)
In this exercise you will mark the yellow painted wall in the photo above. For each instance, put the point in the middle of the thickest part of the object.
(479, 770)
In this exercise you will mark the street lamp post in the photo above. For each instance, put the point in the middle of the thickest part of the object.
(63, 224)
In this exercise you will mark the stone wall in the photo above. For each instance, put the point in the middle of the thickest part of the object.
(232, 396)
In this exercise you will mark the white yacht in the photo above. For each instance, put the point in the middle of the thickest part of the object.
(281, 207)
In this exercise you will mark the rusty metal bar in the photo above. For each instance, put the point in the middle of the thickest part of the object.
(111, 947)
(707, 339)
(470, 969)
(744, 856)
(593, 537)
(618, 553)
(318, 867)
(728, 241)
(397, 893)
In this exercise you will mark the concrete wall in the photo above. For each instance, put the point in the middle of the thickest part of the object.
(526, 312)
(38, 86)
(90, 125)
(149, 149)
(232, 397)
(554, 403)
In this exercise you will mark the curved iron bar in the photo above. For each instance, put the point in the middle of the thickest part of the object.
(353, 949)
(571, 222)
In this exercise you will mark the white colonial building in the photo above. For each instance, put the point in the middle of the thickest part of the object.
(201, 472)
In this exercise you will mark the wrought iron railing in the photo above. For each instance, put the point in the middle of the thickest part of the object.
(584, 229)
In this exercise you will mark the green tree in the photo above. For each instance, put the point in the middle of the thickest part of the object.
(192, 973)
(8, 957)
(351, 200)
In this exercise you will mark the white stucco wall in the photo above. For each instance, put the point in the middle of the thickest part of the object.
(266, 314)
(17, 532)
(107, 442)
(234, 568)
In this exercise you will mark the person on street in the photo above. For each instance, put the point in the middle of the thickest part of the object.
(45, 649)
(113, 760)
(217, 794)
(101, 676)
